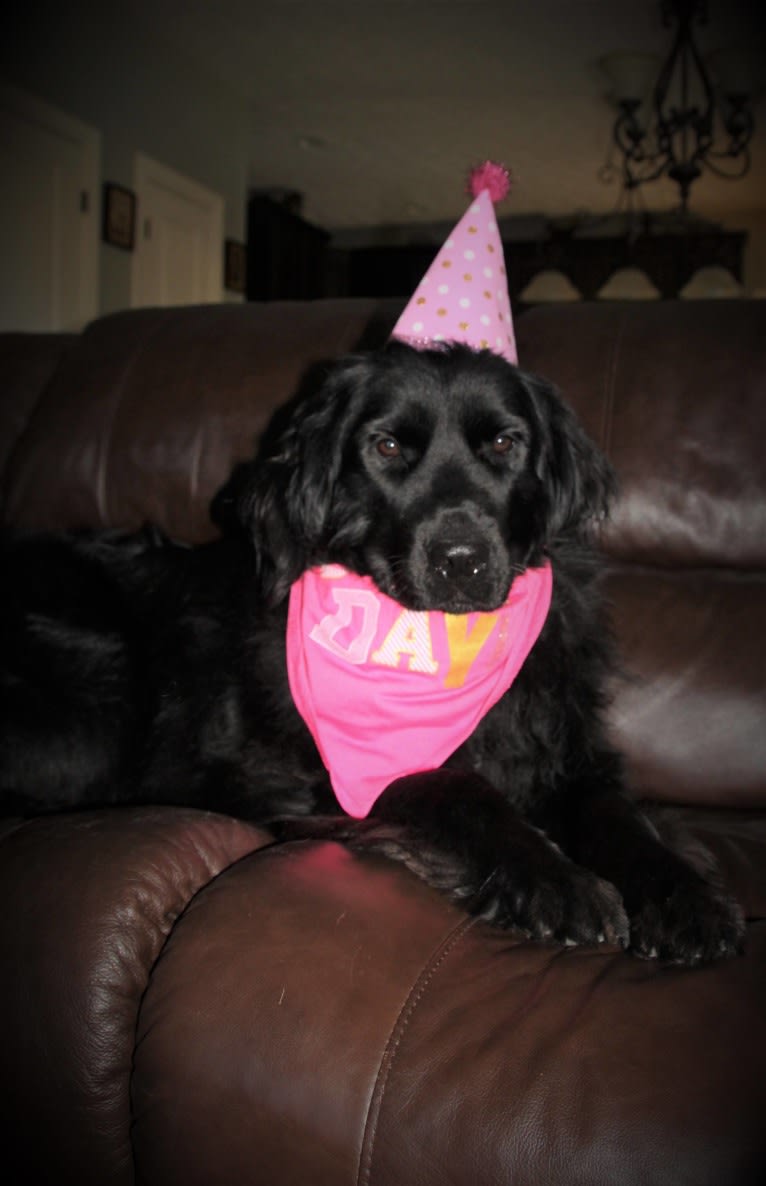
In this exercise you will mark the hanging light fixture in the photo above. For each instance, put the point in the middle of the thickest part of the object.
(693, 124)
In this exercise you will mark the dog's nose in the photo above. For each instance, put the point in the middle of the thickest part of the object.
(458, 561)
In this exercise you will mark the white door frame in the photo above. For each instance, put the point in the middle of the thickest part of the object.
(25, 108)
(148, 175)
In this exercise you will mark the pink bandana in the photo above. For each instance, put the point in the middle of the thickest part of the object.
(387, 691)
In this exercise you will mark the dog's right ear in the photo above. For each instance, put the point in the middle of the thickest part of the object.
(284, 498)
(578, 481)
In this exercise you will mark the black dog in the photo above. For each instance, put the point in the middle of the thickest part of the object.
(144, 671)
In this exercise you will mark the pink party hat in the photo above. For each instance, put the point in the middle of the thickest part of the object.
(463, 296)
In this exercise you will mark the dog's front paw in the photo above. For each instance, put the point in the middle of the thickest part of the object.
(695, 923)
(561, 903)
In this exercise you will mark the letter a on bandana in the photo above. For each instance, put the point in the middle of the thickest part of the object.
(386, 691)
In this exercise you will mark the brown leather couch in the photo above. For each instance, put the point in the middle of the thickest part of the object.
(183, 1004)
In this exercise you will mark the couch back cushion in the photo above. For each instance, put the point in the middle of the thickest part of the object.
(27, 361)
(675, 394)
(153, 408)
(689, 707)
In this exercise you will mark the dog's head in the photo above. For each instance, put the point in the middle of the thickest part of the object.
(440, 473)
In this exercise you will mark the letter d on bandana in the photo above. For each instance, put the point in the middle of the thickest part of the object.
(386, 691)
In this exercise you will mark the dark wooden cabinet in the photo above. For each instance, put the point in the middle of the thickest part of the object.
(287, 257)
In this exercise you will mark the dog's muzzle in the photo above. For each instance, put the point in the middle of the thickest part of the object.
(458, 566)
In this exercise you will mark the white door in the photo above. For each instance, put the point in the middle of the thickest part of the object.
(178, 258)
(49, 216)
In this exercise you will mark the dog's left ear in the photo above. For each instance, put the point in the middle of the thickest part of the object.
(285, 500)
(577, 478)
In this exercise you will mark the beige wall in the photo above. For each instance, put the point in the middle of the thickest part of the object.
(132, 82)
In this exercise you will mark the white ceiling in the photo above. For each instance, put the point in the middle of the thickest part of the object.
(374, 109)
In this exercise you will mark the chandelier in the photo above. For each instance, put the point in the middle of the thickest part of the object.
(693, 124)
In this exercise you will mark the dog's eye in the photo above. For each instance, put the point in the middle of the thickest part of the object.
(503, 443)
(388, 447)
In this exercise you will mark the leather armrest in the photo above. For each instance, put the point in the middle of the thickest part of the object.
(88, 902)
(185, 1005)
(320, 1018)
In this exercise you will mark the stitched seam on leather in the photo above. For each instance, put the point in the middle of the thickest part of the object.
(207, 879)
(163, 940)
(105, 441)
(19, 444)
(414, 997)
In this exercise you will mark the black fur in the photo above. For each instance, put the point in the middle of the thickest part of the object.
(140, 670)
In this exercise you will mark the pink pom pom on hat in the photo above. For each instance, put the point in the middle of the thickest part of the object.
(463, 296)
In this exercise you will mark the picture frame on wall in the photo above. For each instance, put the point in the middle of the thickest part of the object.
(235, 266)
(119, 216)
